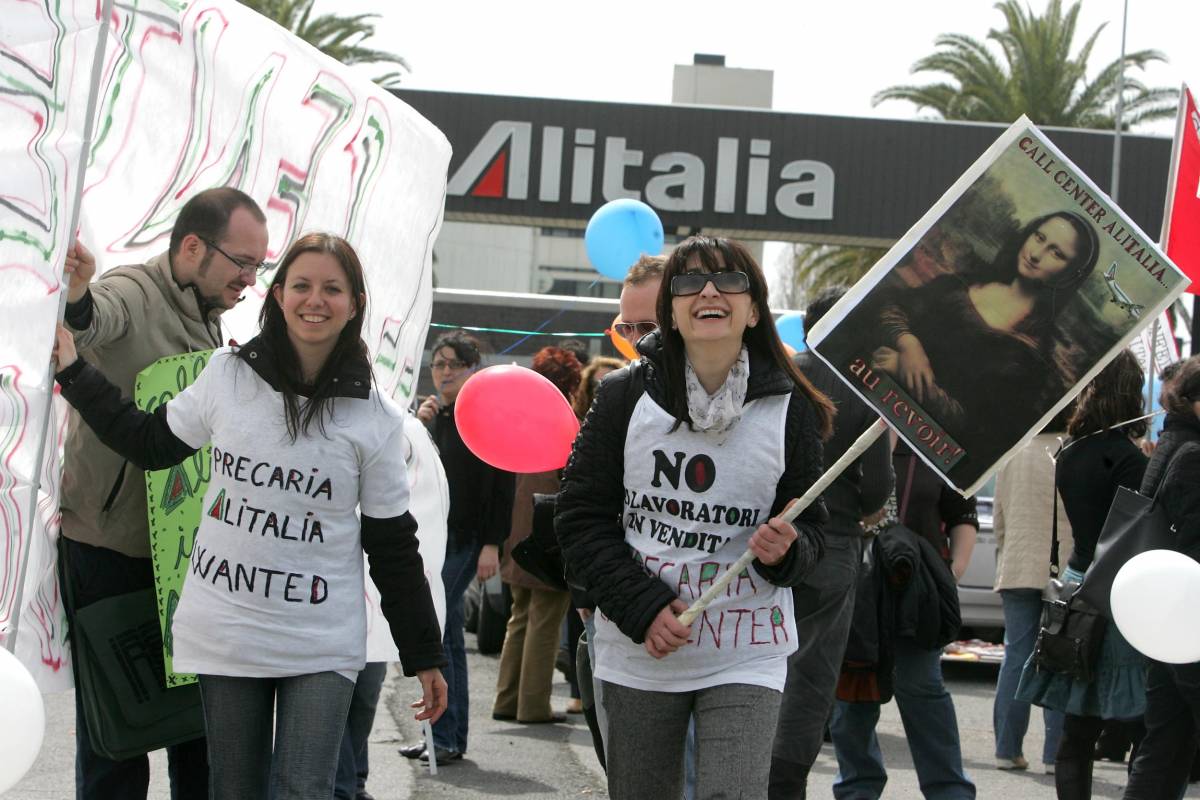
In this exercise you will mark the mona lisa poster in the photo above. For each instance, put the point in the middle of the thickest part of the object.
(996, 308)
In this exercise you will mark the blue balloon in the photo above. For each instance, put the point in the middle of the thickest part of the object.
(621, 232)
(791, 330)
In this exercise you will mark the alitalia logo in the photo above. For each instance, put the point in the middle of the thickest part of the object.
(500, 167)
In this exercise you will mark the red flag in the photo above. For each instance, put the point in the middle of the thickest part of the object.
(1181, 222)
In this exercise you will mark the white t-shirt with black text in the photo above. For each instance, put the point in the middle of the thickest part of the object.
(691, 504)
(275, 582)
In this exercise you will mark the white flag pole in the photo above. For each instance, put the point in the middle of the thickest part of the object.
(860, 446)
(48, 382)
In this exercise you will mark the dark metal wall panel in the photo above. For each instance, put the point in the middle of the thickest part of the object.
(887, 173)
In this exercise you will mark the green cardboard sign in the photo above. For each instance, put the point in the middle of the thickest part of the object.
(174, 497)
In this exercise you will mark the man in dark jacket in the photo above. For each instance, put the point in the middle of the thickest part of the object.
(824, 602)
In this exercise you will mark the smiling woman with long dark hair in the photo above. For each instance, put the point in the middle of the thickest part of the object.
(684, 462)
(272, 612)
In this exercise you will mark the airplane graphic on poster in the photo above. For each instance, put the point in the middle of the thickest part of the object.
(1119, 296)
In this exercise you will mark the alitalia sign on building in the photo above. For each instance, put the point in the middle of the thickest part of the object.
(748, 173)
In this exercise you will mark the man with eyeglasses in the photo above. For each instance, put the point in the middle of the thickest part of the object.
(639, 299)
(128, 319)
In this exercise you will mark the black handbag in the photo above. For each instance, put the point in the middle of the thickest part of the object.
(1072, 630)
(1135, 524)
(118, 665)
(539, 553)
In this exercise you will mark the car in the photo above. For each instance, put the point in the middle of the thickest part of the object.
(978, 603)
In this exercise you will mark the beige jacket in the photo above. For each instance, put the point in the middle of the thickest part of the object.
(140, 314)
(1023, 518)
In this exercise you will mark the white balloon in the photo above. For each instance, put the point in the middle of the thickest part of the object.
(1155, 598)
(22, 720)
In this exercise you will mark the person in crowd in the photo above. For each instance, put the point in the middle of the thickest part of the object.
(274, 625)
(684, 463)
(589, 381)
(1025, 499)
(481, 499)
(931, 509)
(1100, 455)
(1003, 314)
(639, 299)
(534, 625)
(354, 764)
(824, 601)
(1161, 765)
(124, 322)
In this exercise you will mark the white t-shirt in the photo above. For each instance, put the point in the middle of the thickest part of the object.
(275, 583)
(691, 505)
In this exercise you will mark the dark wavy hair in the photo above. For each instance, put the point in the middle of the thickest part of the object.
(1113, 396)
(560, 367)
(1055, 293)
(301, 413)
(465, 346)
(726, 255)
(1182, 388)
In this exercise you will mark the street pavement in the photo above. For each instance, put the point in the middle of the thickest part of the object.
(557, 761)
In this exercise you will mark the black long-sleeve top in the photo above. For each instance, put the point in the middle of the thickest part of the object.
(481, 496)
(1088, 472)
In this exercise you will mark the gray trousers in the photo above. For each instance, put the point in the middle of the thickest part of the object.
(824, 610)
(647, 731)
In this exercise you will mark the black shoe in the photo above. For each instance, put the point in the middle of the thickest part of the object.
(364, 795)
(496, 715)
(443, 756)
(413, 750)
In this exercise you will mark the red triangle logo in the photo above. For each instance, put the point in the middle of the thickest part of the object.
(492, 182)
(217, 507)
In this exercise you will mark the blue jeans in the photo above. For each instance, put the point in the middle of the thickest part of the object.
(274, 737)
(96, 573)
(458, 570)
(930, 726)
(1010, 717)
(353, 766)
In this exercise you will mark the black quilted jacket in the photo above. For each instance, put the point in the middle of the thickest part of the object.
(591, 501)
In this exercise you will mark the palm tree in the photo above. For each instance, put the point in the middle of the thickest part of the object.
(338, 37)
(816, 266)
(1036, 75)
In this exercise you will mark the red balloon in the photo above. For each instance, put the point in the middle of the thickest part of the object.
(515, 419)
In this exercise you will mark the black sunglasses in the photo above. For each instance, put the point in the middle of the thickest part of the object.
(694, 282)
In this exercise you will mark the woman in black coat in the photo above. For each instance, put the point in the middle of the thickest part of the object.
(1173, 690)
(683, 463)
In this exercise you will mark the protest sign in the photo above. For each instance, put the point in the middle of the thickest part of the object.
(996, 308)
(174, 496)
(188, 96)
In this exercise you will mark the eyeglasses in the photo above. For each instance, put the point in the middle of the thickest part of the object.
(627, 329)
(257, 269)
(725, 282)
(453, 364)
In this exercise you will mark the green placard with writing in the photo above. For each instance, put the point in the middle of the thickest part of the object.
(173, 496)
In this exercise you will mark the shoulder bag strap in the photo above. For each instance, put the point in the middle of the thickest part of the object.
(908, 482)
(1054, 571)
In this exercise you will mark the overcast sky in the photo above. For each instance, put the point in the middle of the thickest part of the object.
(828, 57)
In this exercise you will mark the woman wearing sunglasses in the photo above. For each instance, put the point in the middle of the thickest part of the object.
(684, 462)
